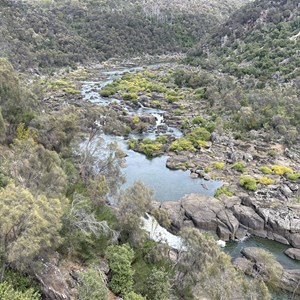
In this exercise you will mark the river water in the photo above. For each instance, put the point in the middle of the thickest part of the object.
(168, 184)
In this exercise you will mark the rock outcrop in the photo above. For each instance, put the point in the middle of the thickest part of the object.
(58, 280)
(235, 217)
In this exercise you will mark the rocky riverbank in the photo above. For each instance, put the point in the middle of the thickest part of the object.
(270, 210)
(233, 218)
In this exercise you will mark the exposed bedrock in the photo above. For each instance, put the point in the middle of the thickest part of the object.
(235, 217)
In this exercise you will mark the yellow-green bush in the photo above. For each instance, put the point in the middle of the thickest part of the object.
(239, 166)
(265, 170)
(207, 169)
(248, 183)
(135, 119)
(199, 133)
(265, 180)
(281, 170)
(181, 145)
(202, 144)
(223, 190)
(218, 165)
(293, 176)
(130, 96)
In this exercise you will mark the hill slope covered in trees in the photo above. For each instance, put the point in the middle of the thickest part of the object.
(59, 33)
(261, 39)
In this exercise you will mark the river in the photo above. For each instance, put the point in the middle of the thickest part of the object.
(168, 184)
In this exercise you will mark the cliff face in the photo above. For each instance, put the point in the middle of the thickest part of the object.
(58, 33)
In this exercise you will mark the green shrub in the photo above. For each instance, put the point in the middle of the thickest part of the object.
(155, 103)
(210, 127)
(162, 139)
(129, 96)
(239, 166)
(248, 183)
(272, 152)
(182, 144)
(107, 91)
(293, 176)
(149, 148)
(132, 143)
(20, 282)
(158, 285)
(218, 165)
(223, 190)
(281, 170)
(199, 133)
(178, 112)
(135, 120)
(265, 170)
(266, 180)
(207, 169)
(172, 99)
(185, 123)
(202, 144)
(198, 120)
(7, 292)
(70, 90)
(92, 285)
(119, 261)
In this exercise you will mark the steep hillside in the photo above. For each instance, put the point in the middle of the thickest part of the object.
(260, 39)
(58, 33)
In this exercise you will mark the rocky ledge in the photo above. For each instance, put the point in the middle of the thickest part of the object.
(235, 217)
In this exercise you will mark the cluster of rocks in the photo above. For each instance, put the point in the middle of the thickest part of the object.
(235, 217)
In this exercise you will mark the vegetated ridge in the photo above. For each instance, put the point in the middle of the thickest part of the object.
(60, 33)
(260, 39)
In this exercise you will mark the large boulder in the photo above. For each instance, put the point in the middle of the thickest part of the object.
(294, 239)
(248, 217)
(227, 225)
(176, 162)
(175, 214)
(293, 253)
(202, 210)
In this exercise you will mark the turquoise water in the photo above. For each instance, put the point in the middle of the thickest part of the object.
(277, 249)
